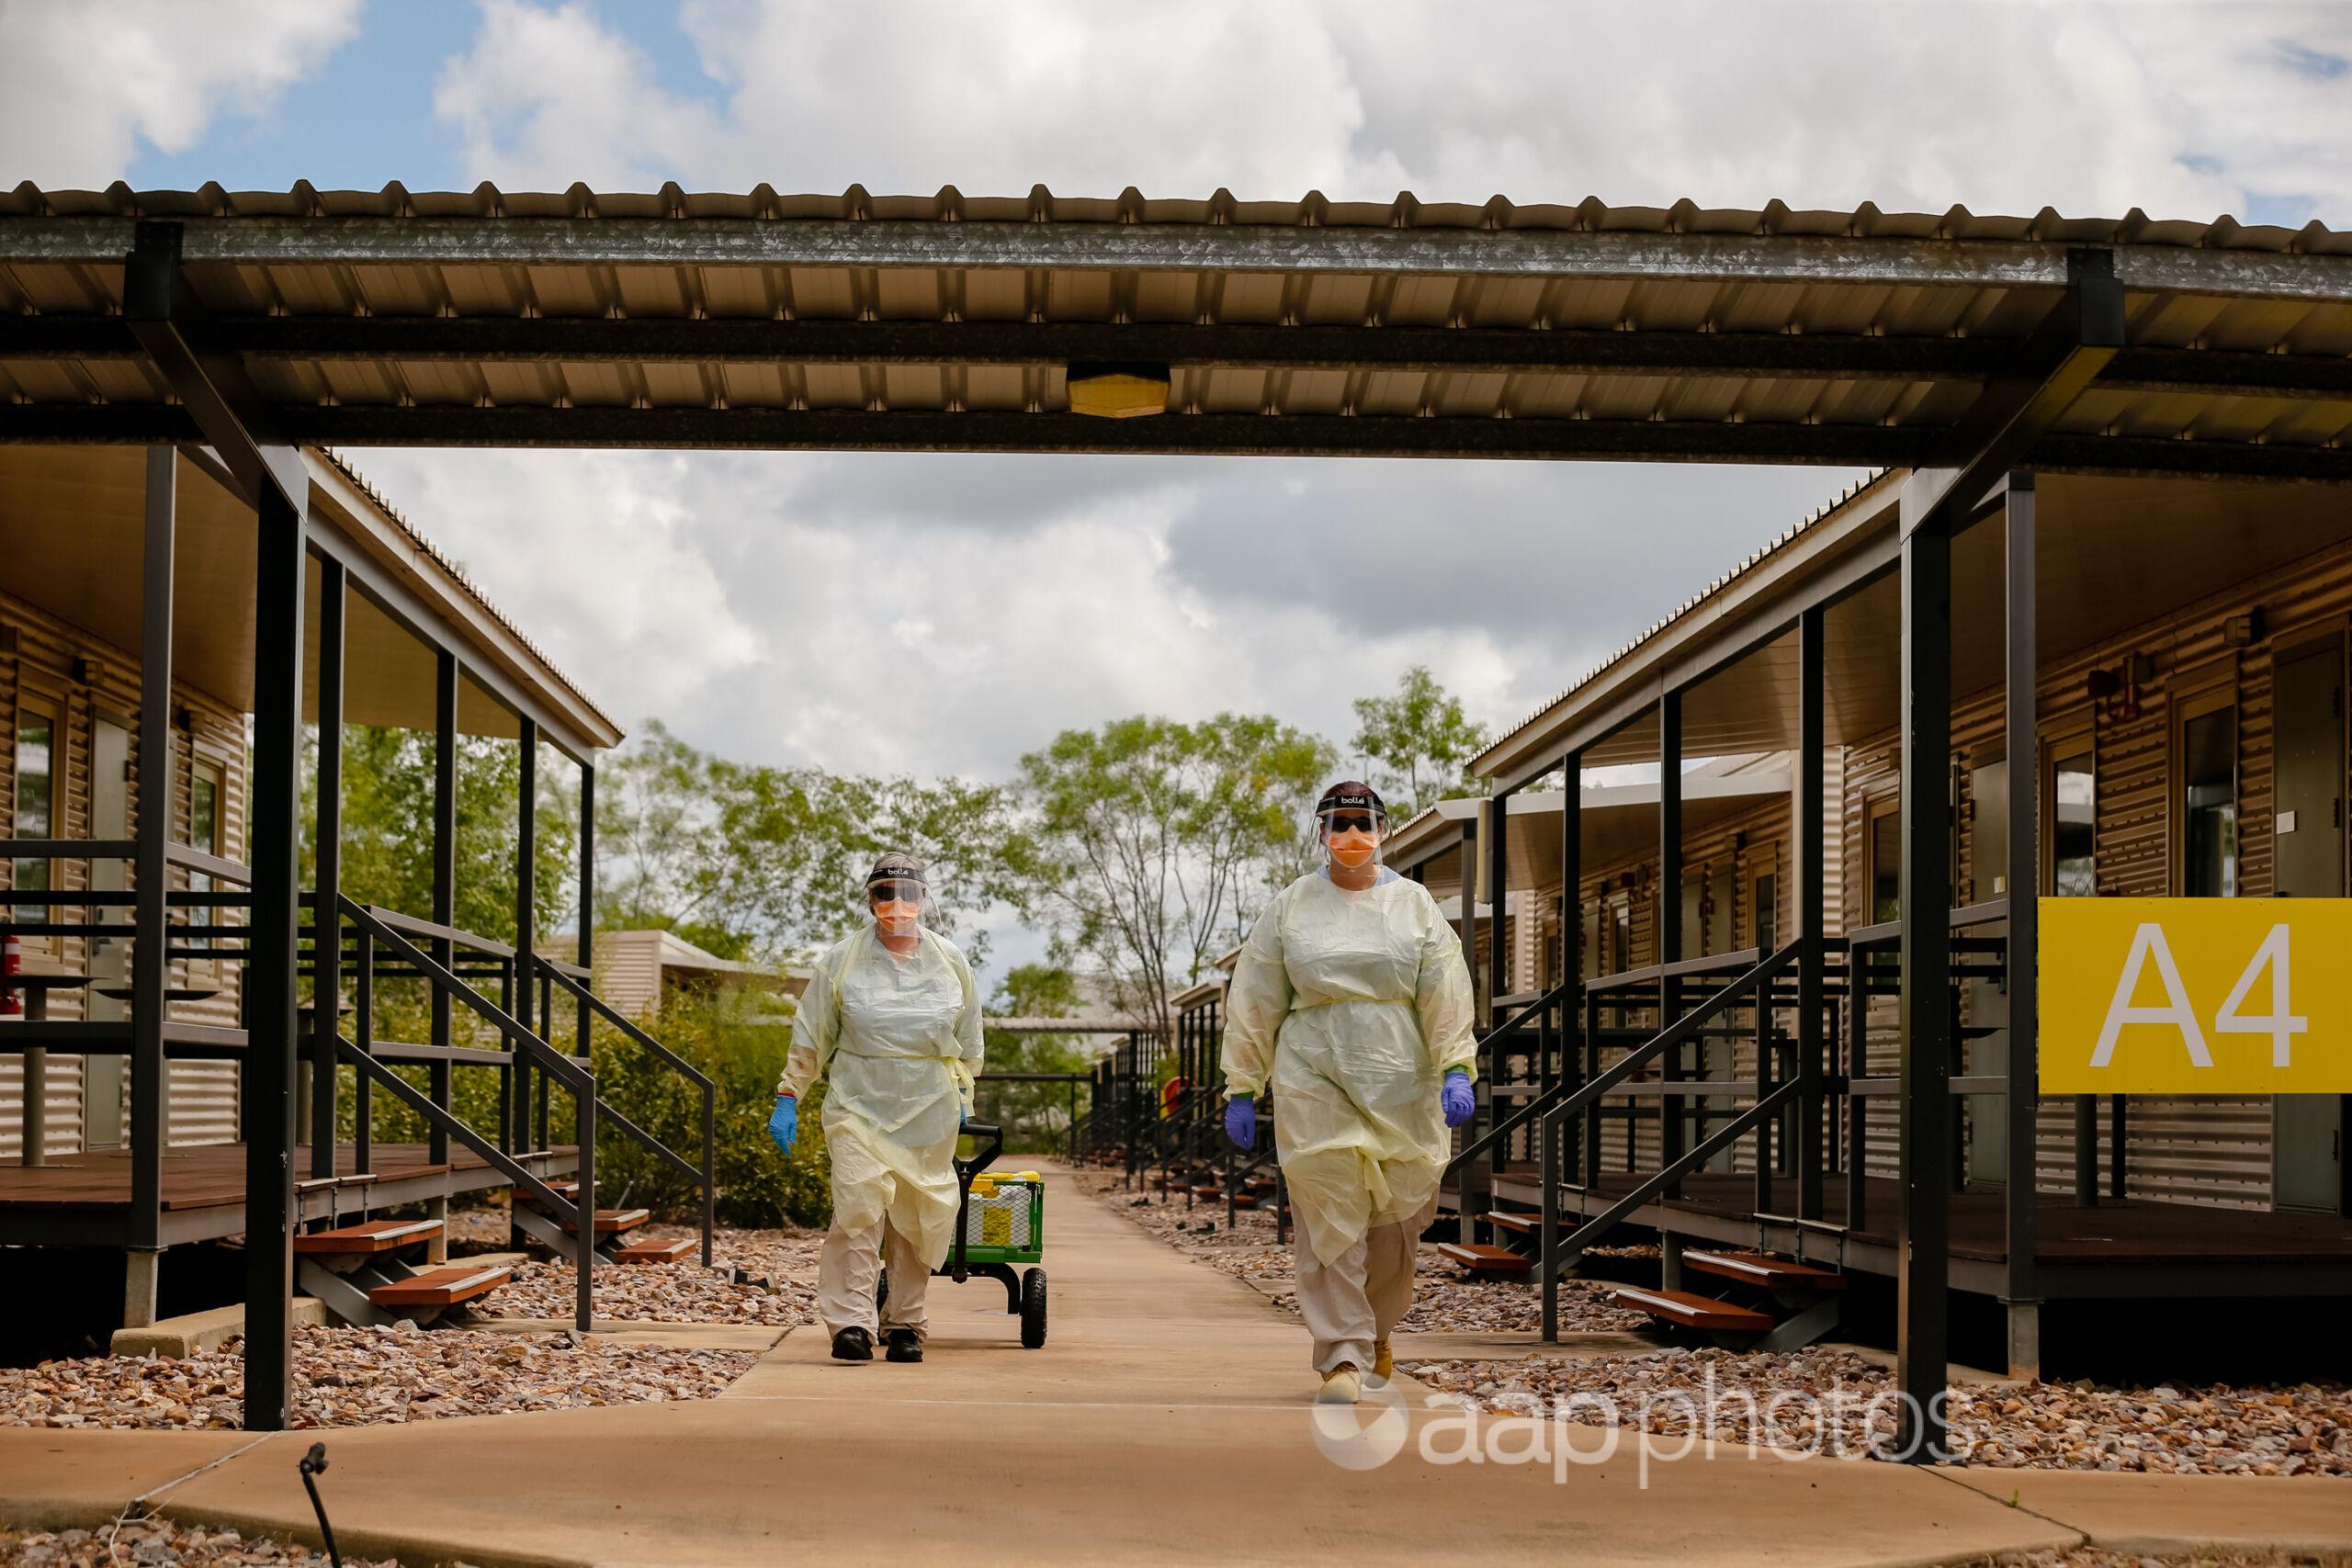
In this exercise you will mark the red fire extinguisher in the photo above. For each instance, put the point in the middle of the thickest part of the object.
(12, 964)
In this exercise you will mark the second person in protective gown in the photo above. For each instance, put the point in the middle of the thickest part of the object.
(1350, 1008)
(892, 1018)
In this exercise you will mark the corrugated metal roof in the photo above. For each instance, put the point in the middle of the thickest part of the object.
(1752, 562)
(940, 321)
(449, 568)
(948, 205)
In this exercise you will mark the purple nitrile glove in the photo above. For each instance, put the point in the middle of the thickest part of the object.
(1460, 1103)
(1241, 1121)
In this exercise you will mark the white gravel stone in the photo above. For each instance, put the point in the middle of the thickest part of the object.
(1819, 1398)
(362, 1377)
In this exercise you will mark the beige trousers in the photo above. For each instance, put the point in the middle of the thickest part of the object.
(847, 1267)
(1362, 1294)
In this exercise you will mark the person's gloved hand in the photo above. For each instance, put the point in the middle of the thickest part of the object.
(1241, 1121)
(1460, 1103)
(783, 1127)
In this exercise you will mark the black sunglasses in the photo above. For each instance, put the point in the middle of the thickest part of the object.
(1352, 822)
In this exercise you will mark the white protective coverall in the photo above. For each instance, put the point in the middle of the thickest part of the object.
(1354, 1005)
(899, 1040)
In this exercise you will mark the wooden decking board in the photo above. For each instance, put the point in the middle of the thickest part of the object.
(201, 1175)
(2117, 1232)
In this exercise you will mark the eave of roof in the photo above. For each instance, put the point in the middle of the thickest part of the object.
(1859, 496)
(601, 731)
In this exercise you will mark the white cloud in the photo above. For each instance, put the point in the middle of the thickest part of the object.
(83, 84)
(2182, 110)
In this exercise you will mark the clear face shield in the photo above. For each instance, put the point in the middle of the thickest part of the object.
(1351, 833)
(899, 905)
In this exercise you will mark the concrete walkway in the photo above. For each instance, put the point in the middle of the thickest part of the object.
(1166, 1417)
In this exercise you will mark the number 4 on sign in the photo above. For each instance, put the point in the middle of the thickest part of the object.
(2148, 945)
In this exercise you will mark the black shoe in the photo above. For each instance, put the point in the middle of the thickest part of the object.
(906, 1345)
(852, 1344)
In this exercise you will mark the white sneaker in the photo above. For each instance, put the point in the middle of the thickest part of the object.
(1342, 1385)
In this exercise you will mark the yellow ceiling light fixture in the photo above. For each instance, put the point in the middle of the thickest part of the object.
(1118, 391)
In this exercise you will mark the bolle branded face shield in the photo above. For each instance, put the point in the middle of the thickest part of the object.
(1351, 825)
(898, 897)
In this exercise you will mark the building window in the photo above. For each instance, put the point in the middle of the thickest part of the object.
(2073, 817)
(1886, 862)
(2209, 799)
(1765, 892)
(1622, 953)
(203, 831)
(38, 770)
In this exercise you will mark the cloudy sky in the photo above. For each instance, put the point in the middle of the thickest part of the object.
(737, 597)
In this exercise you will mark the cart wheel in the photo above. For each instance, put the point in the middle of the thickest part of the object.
(1033, 1309)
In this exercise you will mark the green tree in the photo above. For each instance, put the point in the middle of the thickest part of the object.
(1423, 742)
(1158, 842)
(388, 830)
(746, 859)
(1032, 1114)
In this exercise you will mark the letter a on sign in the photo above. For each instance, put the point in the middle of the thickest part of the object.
(2148, 942)
(2194, 996)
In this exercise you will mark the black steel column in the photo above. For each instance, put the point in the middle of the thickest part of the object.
(1923, 1293)
(527, 860)
(274, 832)
(1553, 1163)
(2022, 1285)
(445, 874)
(150, 1089)
(1672, 1110)
(326, 922)
(587, 902)
(1470, 905)
(1809, 896)
(1499, 955)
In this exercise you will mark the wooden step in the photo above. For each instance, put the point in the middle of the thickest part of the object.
(1479, 1258)
(1764, 1270)
(1693, 1311)
(1520, 1224)
(676, 1251)
(1245, 1200)
(376, 1235)
(565, 1189)
(614, 1221)
(442, 1287)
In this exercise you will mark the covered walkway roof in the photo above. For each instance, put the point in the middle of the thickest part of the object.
(942, 322)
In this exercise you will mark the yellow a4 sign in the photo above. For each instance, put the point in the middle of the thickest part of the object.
(2195, 996)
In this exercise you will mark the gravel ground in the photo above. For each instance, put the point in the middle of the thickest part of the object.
(1823, 1396)
(1444, 1302)
(365, 1377)
(654, 1292)
(139, 1544)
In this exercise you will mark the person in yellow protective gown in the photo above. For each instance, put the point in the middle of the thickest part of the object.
(892, 1015)
(1351, 1001)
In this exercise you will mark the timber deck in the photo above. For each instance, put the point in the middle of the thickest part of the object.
(85, 1198)
(2120, 1248)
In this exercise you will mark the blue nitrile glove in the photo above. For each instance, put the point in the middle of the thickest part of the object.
(1460, 1103)
(784, 1125)
(1241, 1121)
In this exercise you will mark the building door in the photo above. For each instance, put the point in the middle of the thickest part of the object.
(110, 818)
(2308, 833)
(1987, 1003)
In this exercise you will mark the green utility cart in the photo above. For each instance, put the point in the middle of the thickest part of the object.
(1000, 1233)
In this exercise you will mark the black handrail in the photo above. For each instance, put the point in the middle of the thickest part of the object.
(552, 1063)
(706, 1177)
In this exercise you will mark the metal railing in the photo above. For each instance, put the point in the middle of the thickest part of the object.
(705, 1176)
